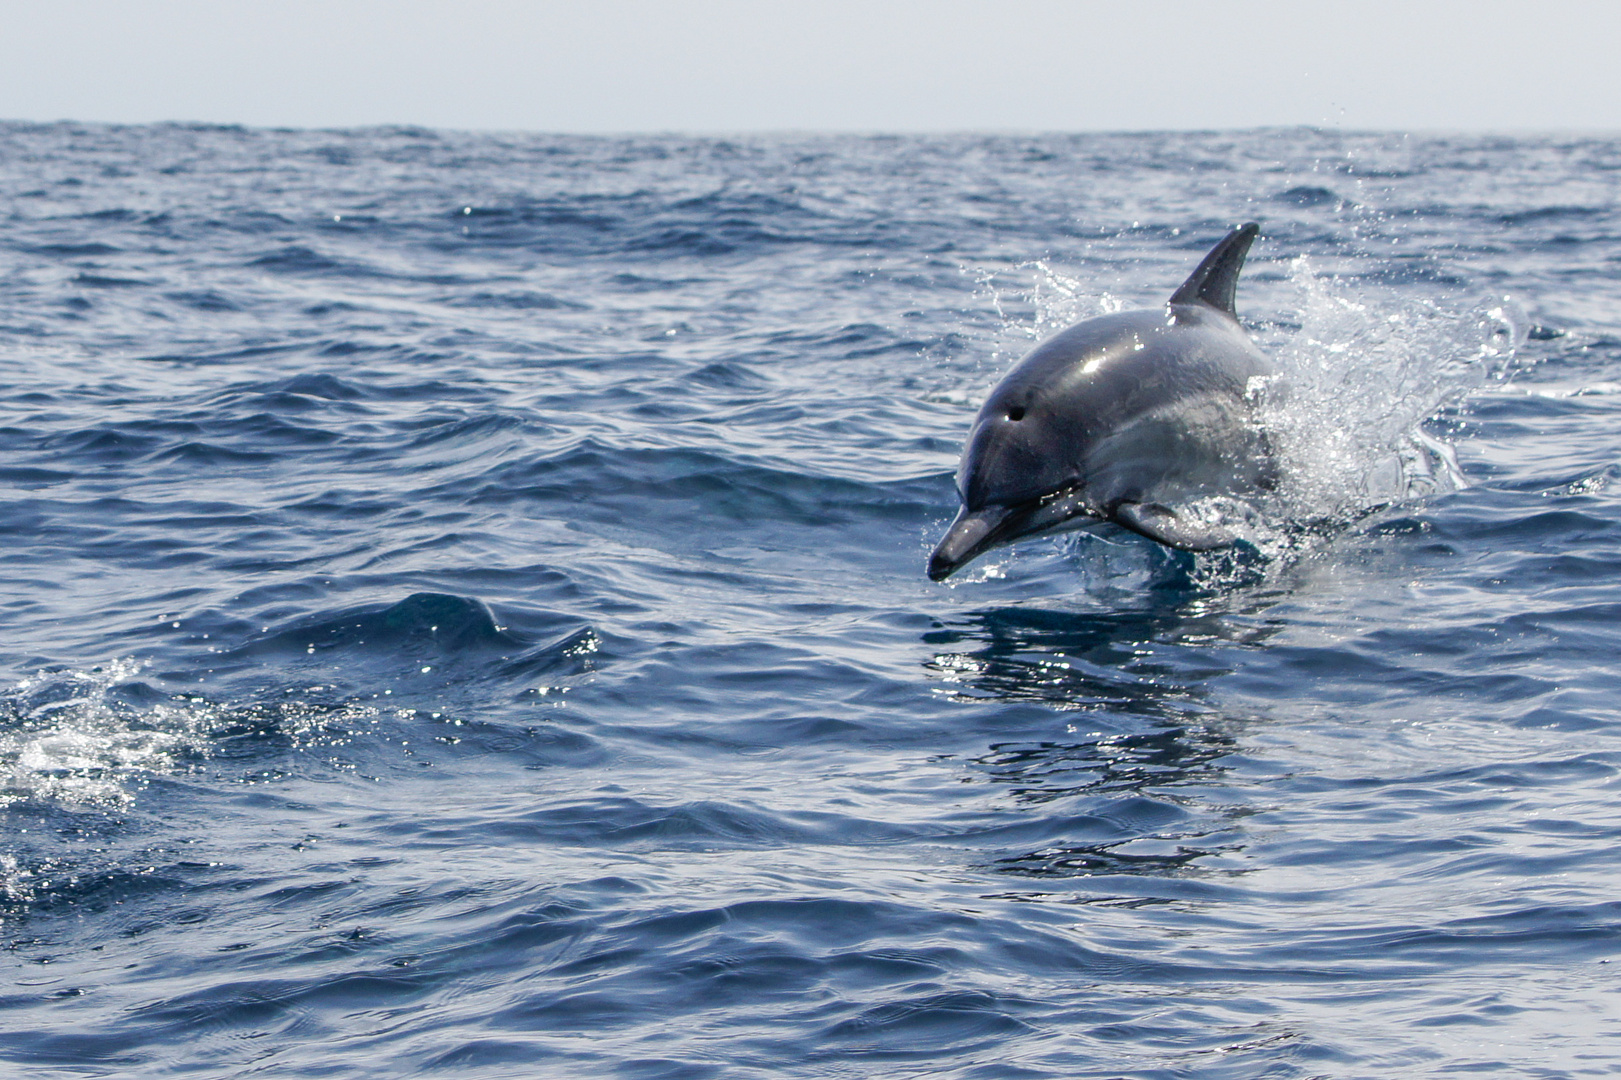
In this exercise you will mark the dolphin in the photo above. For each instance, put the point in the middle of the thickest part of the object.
(1123, 418)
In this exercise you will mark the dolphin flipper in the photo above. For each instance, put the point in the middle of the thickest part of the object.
(1215, 282)
(1163, 524)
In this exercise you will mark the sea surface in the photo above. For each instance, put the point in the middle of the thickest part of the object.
(464, 614)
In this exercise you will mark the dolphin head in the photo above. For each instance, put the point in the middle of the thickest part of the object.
(1021, 473)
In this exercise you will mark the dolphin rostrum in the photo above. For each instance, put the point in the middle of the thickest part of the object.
(1123, 418)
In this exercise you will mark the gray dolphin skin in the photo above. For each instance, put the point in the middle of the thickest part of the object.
(1121, 418)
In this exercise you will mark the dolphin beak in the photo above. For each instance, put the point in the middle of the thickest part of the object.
(974, 533)
(968, 538)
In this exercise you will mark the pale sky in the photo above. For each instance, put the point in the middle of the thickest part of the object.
(833, 65)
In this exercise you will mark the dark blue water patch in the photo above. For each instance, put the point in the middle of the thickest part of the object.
(79, 250)
(1308, 195)
(321, 385)
(255, 351)
(637, 282)
(206, 300)
(204, 453)
(423, 633)
(1540, 529)
(631, 825)
(446, 436)
(89, 891)
(108, 281)
(516, 301)
(34, 477)
(450, 622)
(299, 260)
(1554, 213)
(303, 260)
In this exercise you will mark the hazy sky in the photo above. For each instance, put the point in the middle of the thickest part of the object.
(843, 65)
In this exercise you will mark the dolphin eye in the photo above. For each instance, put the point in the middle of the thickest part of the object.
(1016, 413)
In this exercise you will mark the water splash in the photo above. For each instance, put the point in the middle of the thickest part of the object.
(68, 739)
(91, 739)
(1359, 379)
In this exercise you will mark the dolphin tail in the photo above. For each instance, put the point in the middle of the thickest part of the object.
(1216, 280)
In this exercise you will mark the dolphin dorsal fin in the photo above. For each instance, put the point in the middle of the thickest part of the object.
(1216, 280)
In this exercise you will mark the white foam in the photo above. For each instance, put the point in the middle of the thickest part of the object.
(1360, 377)
(66, 738)
(65, 741)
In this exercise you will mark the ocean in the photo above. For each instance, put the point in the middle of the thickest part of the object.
(465, 614)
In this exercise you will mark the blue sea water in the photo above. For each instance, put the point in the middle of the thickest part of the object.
(464, 614)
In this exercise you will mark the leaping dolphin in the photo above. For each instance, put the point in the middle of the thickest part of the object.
(1121, 418)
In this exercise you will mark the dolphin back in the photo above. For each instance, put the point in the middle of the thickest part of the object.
(1215, 282)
